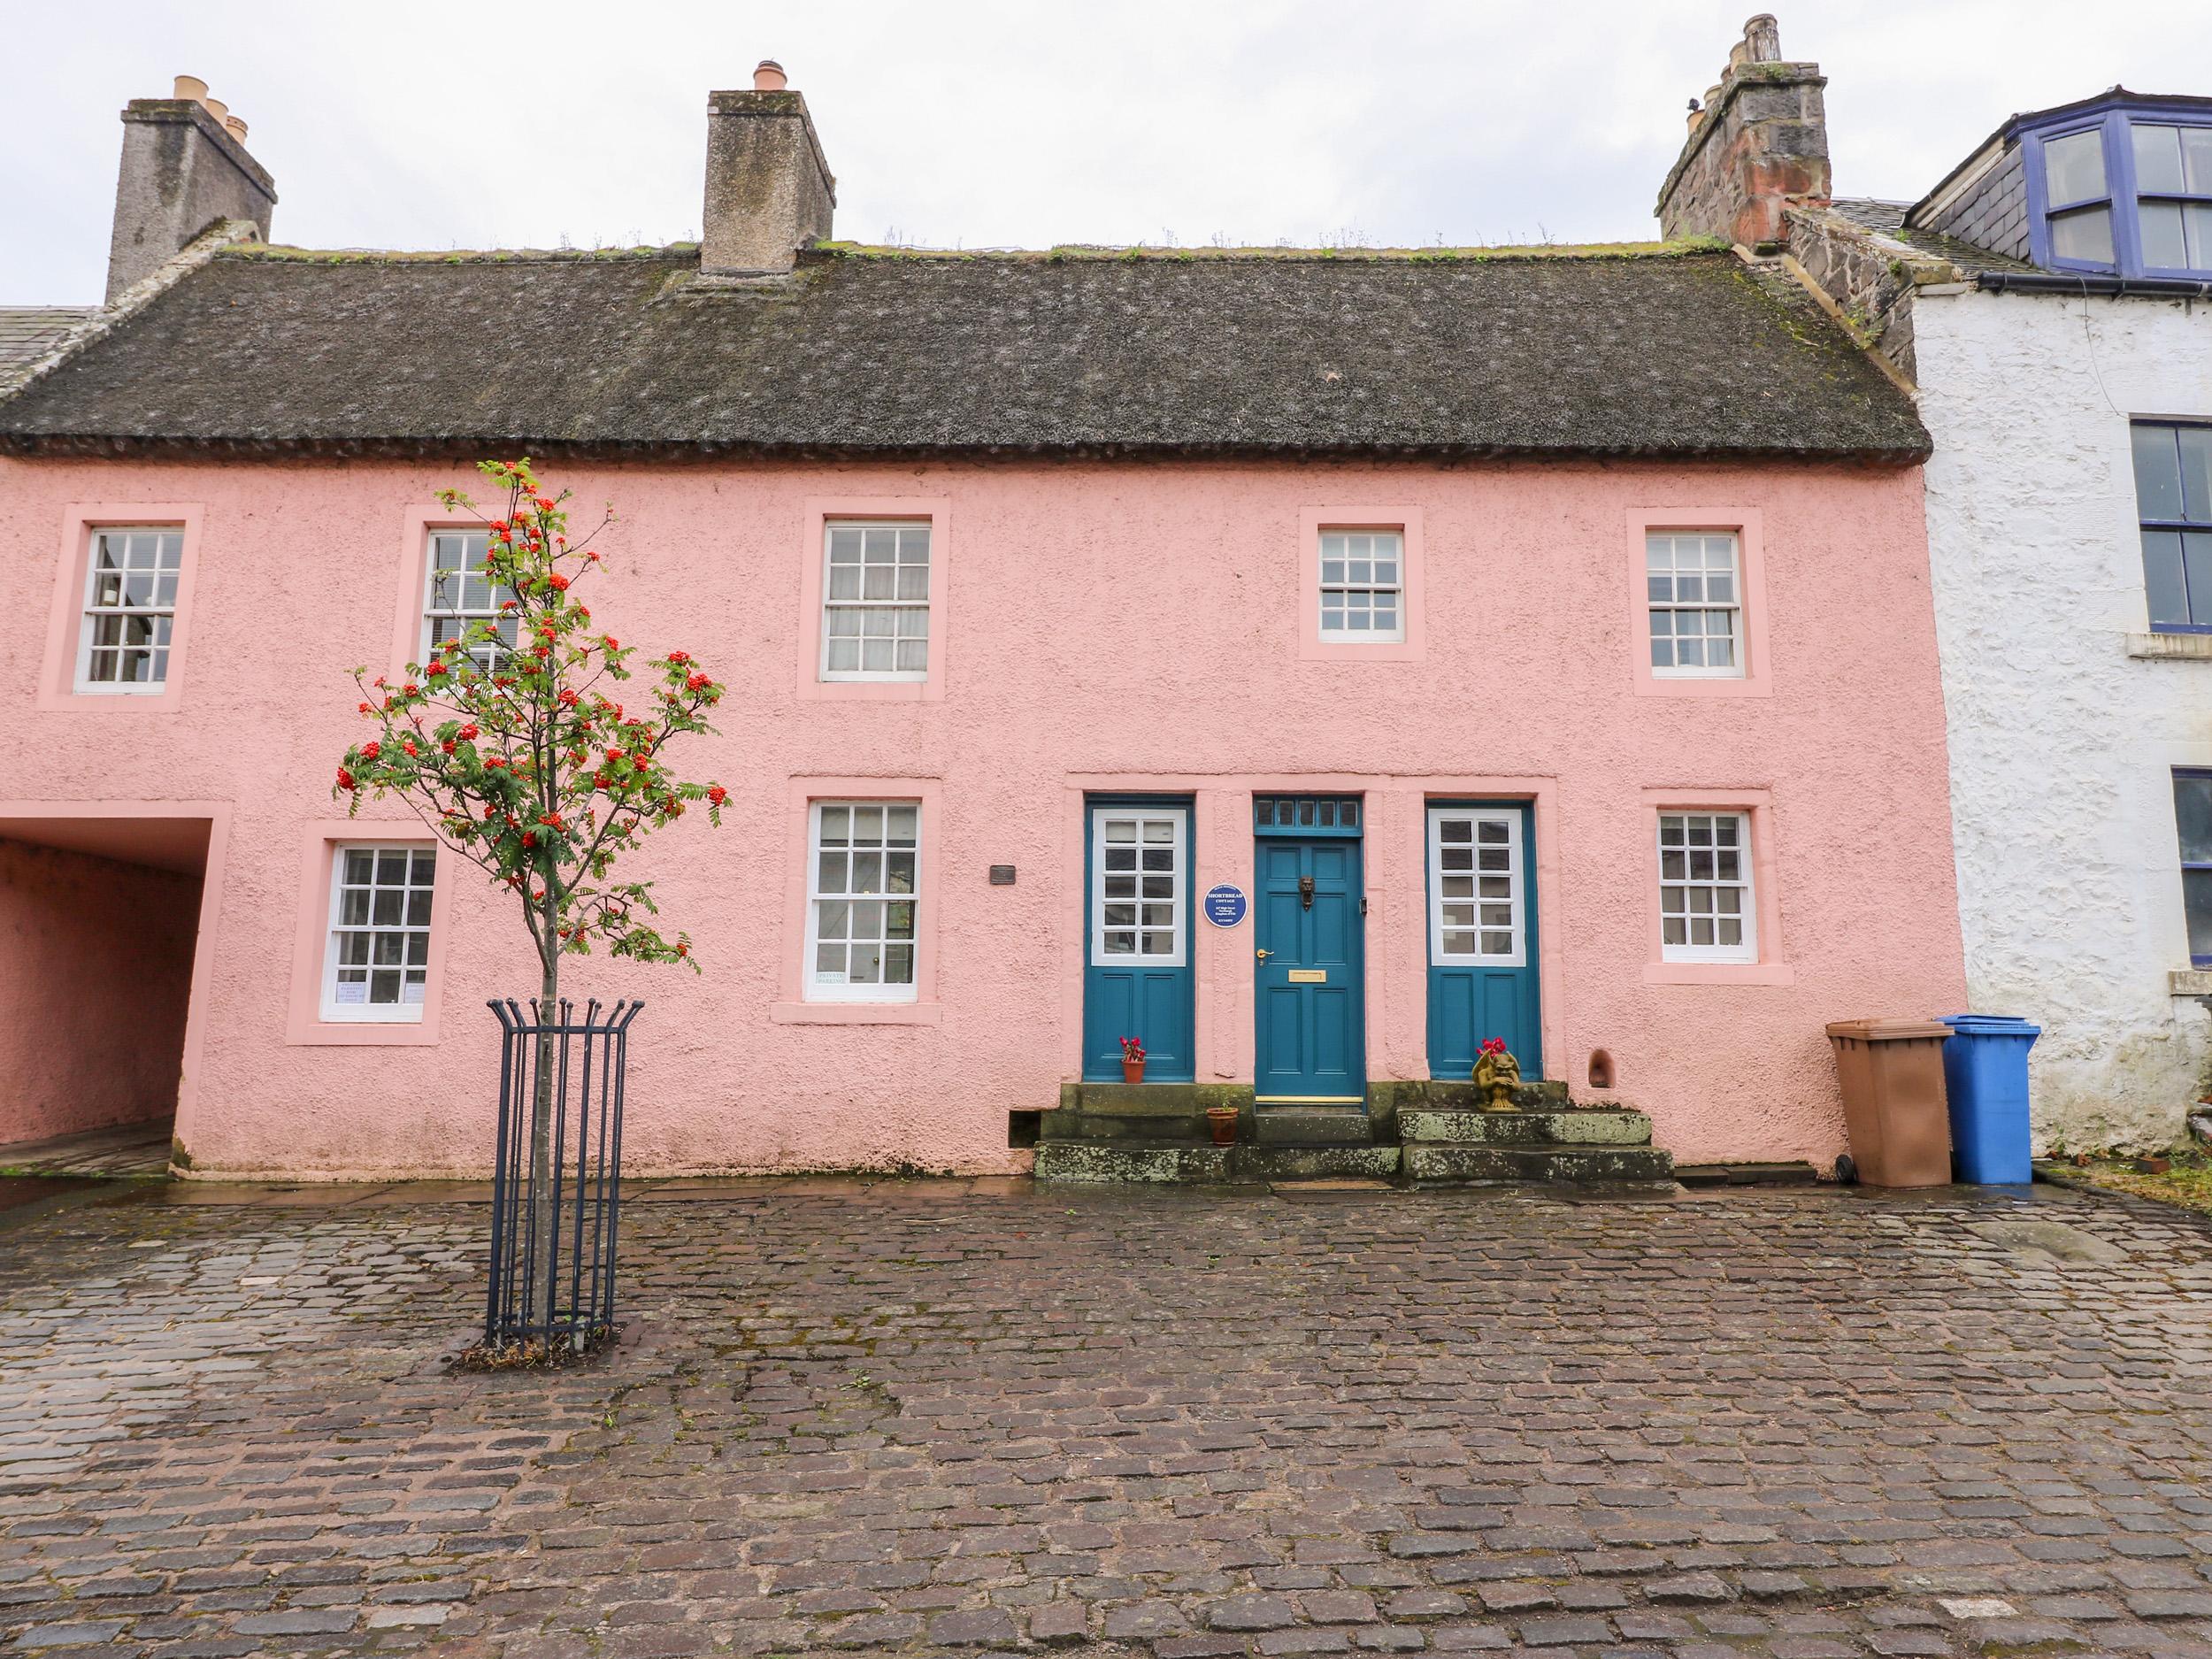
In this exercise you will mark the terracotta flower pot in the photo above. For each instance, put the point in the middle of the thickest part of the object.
(1132, 1072)
(1222, 1121)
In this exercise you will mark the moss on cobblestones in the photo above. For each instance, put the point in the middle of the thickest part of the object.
(2186, 1181)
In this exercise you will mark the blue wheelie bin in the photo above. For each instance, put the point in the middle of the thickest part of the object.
(1986, 1077)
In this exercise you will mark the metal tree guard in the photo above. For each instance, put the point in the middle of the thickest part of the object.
(557, 1185)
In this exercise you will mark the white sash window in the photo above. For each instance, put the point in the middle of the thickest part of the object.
(1476, 907)
(1139, 884)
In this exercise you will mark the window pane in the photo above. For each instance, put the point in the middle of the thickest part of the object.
(2162, 583)
(2192, 816)
(2196, 562)
(2073, 167)
(2196, 895)
(2086, 236)
(2196, 160)
(2157, 160)
(2163, 249)
(2195, 444)
(2157, 470)
(2196, 219)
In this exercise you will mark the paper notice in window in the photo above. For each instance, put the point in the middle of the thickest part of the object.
(352, 993)
(830, 976)
(411, 994)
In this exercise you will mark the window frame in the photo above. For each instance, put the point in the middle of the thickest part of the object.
(429, 616)
(89, 612)
(1514, 820)
(1322, 586)
(2173, 526)
(812, 990)
(1182, 898)
(1738, 669)
(2187, 865)
(2182, 199)
(1301, 565)
(329, 1010)
(2047, 210)
(1747, 951)
(926, 605)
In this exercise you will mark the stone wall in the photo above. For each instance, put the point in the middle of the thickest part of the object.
(1871, 278)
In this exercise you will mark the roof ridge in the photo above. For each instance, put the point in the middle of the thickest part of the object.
(1066, 253)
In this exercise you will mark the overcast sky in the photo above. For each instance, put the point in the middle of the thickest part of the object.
(982, 123)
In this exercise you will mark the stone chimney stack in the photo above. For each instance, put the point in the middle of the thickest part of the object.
(1759, 142)
(769, 191)
(185, 166)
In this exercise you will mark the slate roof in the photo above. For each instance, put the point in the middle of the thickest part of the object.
(1652, 353)
(27, 332)
(1887, 218)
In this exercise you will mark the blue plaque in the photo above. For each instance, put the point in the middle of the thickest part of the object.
(1225, 905)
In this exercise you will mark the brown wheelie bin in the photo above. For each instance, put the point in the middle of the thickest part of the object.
(1892, 1073)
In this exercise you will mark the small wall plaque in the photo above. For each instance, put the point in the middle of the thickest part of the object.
(1002, 875)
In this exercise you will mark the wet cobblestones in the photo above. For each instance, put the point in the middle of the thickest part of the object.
(954, 1418)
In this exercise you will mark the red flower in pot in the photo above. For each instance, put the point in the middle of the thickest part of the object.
(1133, 1059)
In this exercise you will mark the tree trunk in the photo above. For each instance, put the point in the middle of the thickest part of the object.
(544, 1215)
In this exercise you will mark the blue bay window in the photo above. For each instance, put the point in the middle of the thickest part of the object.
(2124, 191)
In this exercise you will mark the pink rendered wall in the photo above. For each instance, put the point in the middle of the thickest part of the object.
(96, 964)
(1099, 626)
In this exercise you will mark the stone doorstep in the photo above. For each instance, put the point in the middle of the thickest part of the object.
(1152, 1165)
(1557, 1128)
(1312, 1127)
(1438, 1163)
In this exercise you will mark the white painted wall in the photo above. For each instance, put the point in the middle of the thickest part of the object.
(2061, 744)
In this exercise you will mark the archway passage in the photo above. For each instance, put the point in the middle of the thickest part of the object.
(99, 918)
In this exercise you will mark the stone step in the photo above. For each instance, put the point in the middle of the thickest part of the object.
(1447, 1094)
(1152, 1165)
(1312, 1127)
(1791, 1172)
(1064, 1125)
(1431, 1162)
(1599, 1127)
(1314, 1164)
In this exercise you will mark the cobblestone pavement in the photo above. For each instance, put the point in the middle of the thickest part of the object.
(931, 1417)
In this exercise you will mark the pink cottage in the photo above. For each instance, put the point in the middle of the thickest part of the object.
(1313, 664)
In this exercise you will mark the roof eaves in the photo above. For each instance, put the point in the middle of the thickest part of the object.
(473, 447)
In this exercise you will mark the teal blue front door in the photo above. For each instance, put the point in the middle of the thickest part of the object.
(1310, 958)
(1137, 977)
(1482, 936)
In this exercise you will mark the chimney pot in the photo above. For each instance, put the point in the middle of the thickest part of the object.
(217, 108)
(190, 86)
(235, 127)
(769, 191)
(1757, 144)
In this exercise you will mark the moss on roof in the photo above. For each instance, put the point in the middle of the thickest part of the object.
(1642, 350)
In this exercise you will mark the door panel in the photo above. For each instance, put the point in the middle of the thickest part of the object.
(1483, 962)
(1312, 1030)
(1137, 977)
